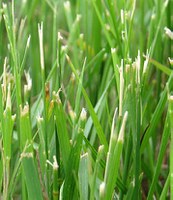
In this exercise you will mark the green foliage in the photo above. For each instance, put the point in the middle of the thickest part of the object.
(86, 106)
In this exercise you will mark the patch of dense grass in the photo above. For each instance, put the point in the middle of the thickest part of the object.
(86, 105)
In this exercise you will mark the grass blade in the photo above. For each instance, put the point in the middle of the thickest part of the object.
(31, 178)
(73, 161)
(156, 115)
(163, 68)
(165, 138)
(83, 177)
(91, 109)
(62, 132)
(114, 161)
(171, 144)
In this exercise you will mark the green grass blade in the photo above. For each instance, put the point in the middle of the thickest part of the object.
(7, 126)
(165, 190)
(96, 108)
(29, 172)
(25, 130)
(73, 161)
(83, 177)
(102, 22)
(91, 110)
(163, 68)
(165, 138)
(95, 59)
(79, 90)
(62, 132)
(170, 110)
(114, 161)
(31, 178)
(156, 115)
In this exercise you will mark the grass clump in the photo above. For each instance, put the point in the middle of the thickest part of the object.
(86, 99)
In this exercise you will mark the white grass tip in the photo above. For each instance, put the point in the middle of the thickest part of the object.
(81, 36)
(55, 163)
(84, 155)
(113, 50)
(48, 162)
(121, 89)
(28, 41)
(168, 32)
(146, 62)
(13, 117)
(68, 58)
(153, 16)
(138, 65)
(8, 46)
(8, 104)
(121, 134)
(101, 148)
(113, 121)
(26, 155)
(4, 84)
(40, 34)
(67, 5)
(170, 61)
(25, 110)
(64, 48)
(60, 36)
(4, 5)
(171, 98)
(28, 87)
(83, 114)
(102, 189)
(122, 16)
(39, 119)
(107, 26)
(78, 17)
(5, 63)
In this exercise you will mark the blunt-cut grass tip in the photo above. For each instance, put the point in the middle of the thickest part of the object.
(67, 5)
(39, 119)
(113, 50)
(122, 130)
(28, 41)
(121, 89)
(40, 33)
(171, 98)
(83, 114)
(8, 105)
(170, 61)
(4, 5)
(169, 33)
(25, 110)
(60, 36)
(101, 148)
(55, 163)
(28, 86)
(78, 17)
(102, 189)
(122, 16)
